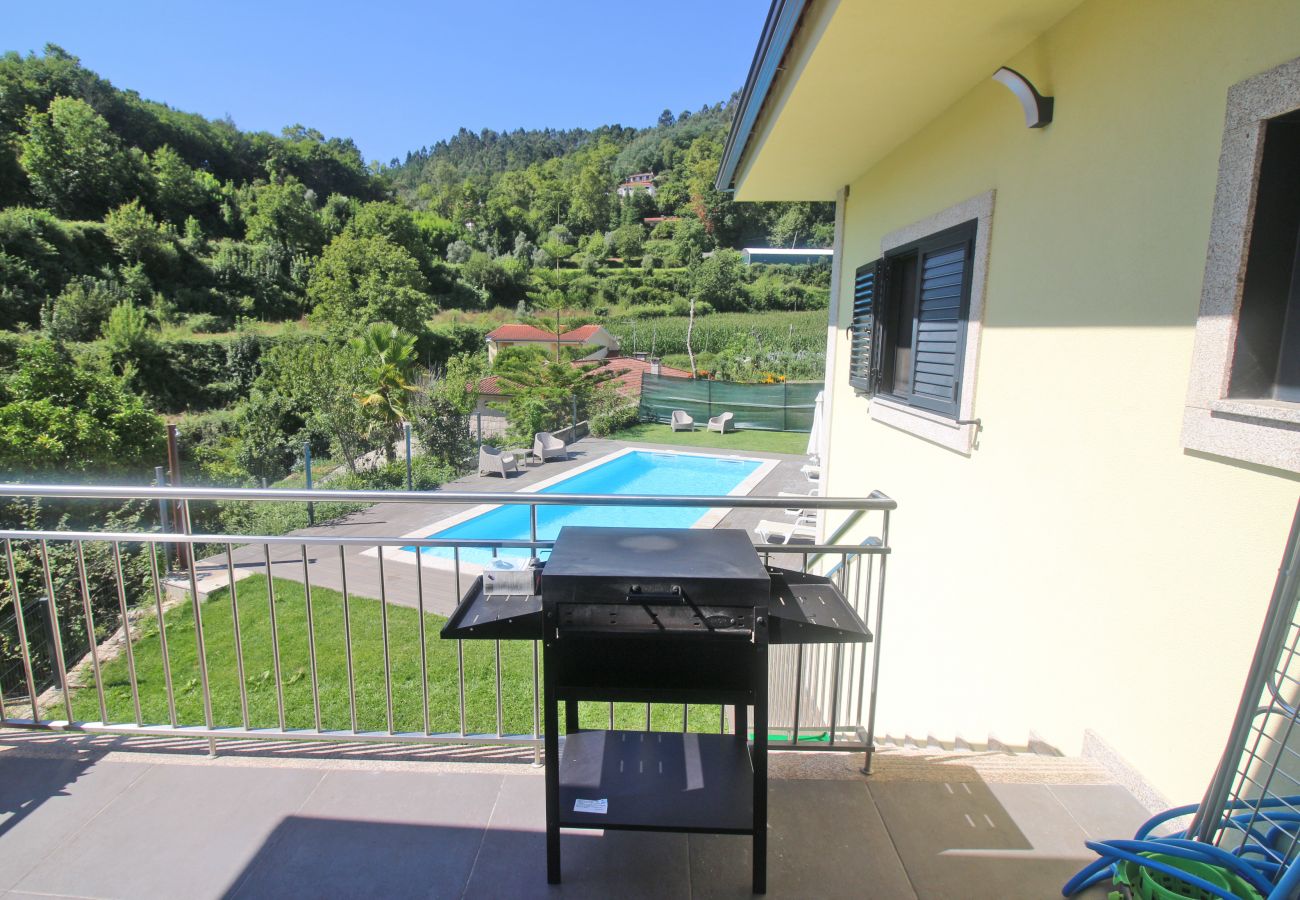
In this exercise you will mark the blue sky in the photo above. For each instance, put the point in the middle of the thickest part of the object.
(397, 76)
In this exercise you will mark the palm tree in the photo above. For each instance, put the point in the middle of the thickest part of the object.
(388, 367)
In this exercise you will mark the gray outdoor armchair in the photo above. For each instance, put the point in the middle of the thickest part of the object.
(493, 461)
(681, 421)
(548, 446)
(723, 423)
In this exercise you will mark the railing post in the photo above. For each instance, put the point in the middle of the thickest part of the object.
(306, 465)
(406, 429)
(164, 519)
(875, 653)
(174, 460)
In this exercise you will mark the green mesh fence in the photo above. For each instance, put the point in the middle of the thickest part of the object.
(763, 407)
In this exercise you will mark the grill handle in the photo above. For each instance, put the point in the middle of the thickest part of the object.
(643, 593)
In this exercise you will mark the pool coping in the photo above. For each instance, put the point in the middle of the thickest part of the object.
(712, 516)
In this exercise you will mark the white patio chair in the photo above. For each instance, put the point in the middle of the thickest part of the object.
(723, 423)
(548, 446)
(802, 531)
(811, 472)
(681, 421)
(493, 461)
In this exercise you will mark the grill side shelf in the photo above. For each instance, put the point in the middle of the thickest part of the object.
(483, 616)
(809, 609)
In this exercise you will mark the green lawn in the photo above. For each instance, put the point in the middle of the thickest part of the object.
(793, 442)
(368, 668)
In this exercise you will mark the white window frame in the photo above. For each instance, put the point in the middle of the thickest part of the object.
(1262, 432)
(936, 427)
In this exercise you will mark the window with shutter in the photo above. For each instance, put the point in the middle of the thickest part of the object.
(909, 321)
(863, 327)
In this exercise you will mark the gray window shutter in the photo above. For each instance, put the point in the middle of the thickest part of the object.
(941, 313)
(863, 331)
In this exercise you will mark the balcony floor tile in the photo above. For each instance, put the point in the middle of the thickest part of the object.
(43, 801)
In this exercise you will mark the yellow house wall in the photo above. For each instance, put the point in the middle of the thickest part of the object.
(1079, 570)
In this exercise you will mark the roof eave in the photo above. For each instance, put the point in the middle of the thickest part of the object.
(779, 29)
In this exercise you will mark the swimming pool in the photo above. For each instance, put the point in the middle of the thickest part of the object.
(629, 472)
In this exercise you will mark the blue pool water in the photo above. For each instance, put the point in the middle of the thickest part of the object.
(639, 472)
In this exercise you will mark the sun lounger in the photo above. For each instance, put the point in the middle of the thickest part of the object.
(493, 461)
(723, 423)
(802, 531)
(681, 421)
(797, 511)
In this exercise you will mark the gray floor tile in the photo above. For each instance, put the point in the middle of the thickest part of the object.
(1038, 814)
(825, 839)
(181, 831)
(378, 834)
(960, 840)
(1103, 811)
(512, 861)
(43, 801)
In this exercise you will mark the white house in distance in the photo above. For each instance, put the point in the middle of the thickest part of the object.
(641, 181)
(1064, 336)
(517, 335)
(789, 255)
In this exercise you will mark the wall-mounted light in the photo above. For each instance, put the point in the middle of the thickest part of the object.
(1038, 109)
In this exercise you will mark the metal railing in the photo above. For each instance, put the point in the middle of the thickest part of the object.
(821, 698)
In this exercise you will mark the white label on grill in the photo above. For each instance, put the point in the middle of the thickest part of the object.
(591, 806)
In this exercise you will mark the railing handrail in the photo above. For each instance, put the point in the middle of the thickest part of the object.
(159, 537)
(876, 501)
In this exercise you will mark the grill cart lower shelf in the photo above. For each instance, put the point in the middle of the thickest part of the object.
(656, 781)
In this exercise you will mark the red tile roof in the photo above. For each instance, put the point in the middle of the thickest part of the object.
(629, 370)
(580, 334)
(516, 332)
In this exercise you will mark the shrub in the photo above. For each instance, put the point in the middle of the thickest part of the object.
(608, 421)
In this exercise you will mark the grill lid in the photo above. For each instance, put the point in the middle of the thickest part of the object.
(618, 565)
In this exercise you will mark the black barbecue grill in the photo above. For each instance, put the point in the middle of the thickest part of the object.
(659, 616)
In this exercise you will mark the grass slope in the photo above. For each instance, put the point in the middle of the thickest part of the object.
(368, 668)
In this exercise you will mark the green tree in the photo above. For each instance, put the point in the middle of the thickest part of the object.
(388, 369)
(283, 213)
(180, 191)
(134, 232)
(629, 240)
(304, 393)
(131, 340)
(440, 414)
(543, 396)
(358, 281)
(719, 280)
(75, 164)
(56, 416)
(80, 312)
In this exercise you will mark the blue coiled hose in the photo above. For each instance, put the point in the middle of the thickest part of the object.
(1272, 876)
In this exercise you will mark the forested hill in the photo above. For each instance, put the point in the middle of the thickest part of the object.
(527, 182)
(156, 261)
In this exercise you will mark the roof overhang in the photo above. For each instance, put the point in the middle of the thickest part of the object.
(835, 85)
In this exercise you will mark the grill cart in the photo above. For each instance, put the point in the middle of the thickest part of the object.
(681, 616)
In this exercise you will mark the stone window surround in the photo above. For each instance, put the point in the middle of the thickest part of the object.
(1262, 432)
(931, 426)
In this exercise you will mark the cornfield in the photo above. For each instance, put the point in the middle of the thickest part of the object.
(792, 332)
